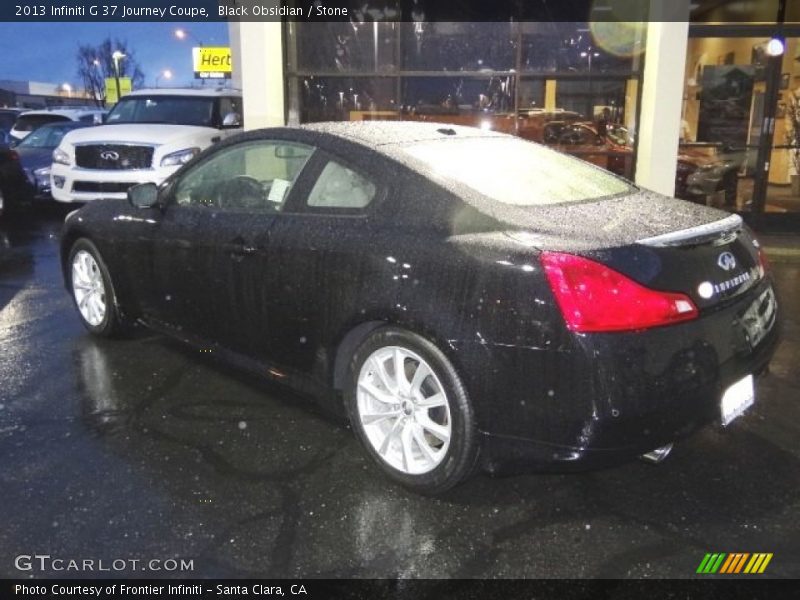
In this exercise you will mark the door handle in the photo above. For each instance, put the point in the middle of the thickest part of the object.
(239, 248)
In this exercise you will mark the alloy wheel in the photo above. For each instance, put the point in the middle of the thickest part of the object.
(88, 288)
(404, 410)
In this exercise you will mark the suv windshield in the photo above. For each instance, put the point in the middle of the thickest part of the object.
(177, 110)
(517, 172)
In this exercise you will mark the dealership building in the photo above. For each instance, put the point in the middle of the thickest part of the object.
(700, 100)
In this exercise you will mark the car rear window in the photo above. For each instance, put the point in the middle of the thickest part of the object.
(517, 172)
(31, 122)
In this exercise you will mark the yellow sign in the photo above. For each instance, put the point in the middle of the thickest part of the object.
(125, 87)
(212, 62)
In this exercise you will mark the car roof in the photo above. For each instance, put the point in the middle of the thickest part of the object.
(65, 124)
(63, 112)
(201, 92)
(381, 135)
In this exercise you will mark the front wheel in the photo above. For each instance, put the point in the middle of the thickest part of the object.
(92, 290)
(411, 411)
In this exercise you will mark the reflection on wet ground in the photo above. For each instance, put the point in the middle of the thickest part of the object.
(146, 449)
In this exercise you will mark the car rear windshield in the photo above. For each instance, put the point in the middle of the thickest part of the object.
(48, 136)
(517, 172)
(176, 110)
(31, 122)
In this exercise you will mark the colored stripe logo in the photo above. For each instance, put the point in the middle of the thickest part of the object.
(734, 563)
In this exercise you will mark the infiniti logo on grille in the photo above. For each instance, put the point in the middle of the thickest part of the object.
(726, 261)
(109, 155)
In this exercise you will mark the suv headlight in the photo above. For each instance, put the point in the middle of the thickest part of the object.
(181, 157)
(61, 157)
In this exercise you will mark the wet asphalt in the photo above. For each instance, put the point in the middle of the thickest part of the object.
(145, 449)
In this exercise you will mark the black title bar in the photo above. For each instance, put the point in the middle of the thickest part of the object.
(711, 588)
(341, 10)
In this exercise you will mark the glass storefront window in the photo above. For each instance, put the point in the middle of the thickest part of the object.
(331, 47)
(598, 48)
(344, 98)
(591, 98)
(459, 94)
(545, 82)
(726, 157)
(465, 46)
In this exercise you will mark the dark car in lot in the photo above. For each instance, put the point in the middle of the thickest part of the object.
(12, 179)
(7, 118)
(470, 298)
(35, 155)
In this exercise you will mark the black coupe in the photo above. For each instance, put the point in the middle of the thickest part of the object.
(476, 300)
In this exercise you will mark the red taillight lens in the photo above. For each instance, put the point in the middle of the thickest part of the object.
(13, 155)
(594, 297)
(763, 263)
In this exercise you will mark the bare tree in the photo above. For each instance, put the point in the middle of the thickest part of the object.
(95, 64)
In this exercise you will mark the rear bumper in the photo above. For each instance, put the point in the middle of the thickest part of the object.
(610, 397)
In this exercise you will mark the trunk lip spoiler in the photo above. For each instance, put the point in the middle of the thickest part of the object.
(698, 234)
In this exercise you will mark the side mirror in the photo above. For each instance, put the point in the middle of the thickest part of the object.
(144, 195)
(232, 120)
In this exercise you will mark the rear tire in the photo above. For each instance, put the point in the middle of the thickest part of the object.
(93, 292)
(419, 428)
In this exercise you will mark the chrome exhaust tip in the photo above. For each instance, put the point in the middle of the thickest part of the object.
(656, 456)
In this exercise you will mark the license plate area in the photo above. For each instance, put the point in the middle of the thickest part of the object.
(737, 399)
(759, 318)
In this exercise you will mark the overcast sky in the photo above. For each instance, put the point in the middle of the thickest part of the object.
(46, 51)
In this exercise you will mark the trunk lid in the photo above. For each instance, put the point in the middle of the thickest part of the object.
(662, 243)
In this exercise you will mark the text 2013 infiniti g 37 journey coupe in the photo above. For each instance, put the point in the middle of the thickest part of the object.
(477, 299)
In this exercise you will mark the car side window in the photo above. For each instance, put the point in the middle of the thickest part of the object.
(230, 105)
(338, 187)
(256, 176)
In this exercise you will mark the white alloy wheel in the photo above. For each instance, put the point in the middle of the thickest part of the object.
(404, 410)
(88, 288)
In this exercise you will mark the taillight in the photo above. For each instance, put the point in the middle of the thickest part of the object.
(763, 263)
(593, 297)
(13, 155)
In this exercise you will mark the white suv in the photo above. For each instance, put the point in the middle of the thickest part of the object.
(32, 119)
(148, 135)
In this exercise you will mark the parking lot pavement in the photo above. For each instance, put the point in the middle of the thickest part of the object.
(144, 449)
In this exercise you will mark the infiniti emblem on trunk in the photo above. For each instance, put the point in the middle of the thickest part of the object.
(109, 155)
(726, 261)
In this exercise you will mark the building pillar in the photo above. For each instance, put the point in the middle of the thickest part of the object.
(260, 76)
(662, 96)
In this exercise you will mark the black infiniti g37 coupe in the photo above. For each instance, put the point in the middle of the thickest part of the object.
(474, 299)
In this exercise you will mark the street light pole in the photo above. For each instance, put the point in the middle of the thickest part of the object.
(182, 34)
(117, 56)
